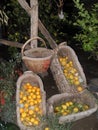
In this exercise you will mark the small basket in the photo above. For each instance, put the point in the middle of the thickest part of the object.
(33, 79)
(56, 68)
(37, 59)
(84, 97)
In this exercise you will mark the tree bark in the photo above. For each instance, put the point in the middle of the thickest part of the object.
(41, 27)
(10, 43)
(34, 21)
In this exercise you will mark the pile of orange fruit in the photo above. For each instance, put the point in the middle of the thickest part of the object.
(71, 73)
(30, 104)
(70, 107)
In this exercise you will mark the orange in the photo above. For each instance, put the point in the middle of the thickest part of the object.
(70, 103)
(38, 96)
(36, 122)
(31, 103)
(76, 82)
(21, 101)
(86, 107)
(37, 109)
(24, 98)
(26, 105)
(47, 128)
(23, 115)
(64, 113)
(31, 112)
(21, 110)
(39, 100)
(29, 97)
(75, 110)
(80, 89)
(32, 120)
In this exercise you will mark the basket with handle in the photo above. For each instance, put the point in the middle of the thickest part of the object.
(34, 86)
(36, 59)
(59, 72)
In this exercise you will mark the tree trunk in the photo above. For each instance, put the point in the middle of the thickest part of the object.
(43, 30)
(34, 21)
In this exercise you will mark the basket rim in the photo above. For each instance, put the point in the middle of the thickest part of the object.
(43, 58)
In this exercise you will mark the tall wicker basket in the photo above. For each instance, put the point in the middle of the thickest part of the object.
(56, 68)
(36, 59)
(34, 80)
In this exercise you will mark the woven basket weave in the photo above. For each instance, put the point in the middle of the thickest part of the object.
(84, 97)
(56, 69)
(36, 59)
(33, 79)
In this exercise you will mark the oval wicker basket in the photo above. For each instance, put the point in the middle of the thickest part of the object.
(56, 68)
(33, 79)
(36, 59)
(85, 97)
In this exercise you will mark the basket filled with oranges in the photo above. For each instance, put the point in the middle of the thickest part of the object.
(67, 71)
(70, 107)
(30, 101)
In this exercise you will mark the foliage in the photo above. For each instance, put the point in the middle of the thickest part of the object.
(88, 23)
(3, 17)
(19, 24)
(48, 13)
(8, 126)
(52, 122)
(8, 79)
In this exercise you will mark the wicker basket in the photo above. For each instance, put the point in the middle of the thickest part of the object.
(36, 59)
(56, 69)
(84, 97)
(33, 79)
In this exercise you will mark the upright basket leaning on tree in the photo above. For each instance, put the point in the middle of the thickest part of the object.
(36, 59)
(67, 71)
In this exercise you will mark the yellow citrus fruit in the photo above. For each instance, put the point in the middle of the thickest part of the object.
(47, 128)
(36, 109)
(64, 113)
(31, 112)
(24, 98)
(31, 103)
(75, 110)
(86, 107)
(32, 120)
(26, 105)
(23, 115)
(76, 82)
(70, 103)
(64, 107)
(36, 122)
(21, 110)
(21, 101)
(80, 89)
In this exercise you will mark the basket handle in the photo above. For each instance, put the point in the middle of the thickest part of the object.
(34, 38)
